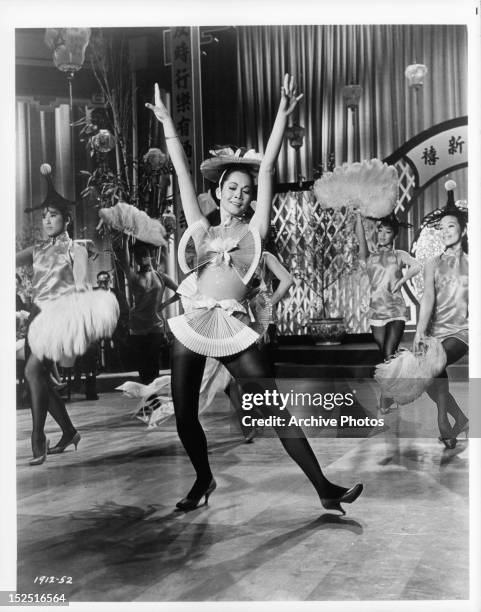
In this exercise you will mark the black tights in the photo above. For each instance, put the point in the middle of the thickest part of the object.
(387, 337)
(45, 399)
(187, 371)
(439, 390)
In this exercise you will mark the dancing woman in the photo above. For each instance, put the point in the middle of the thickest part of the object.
(215, 322)
(146, 322)
(384, 266)
(58, 265)
(444, 312)
(60, 323)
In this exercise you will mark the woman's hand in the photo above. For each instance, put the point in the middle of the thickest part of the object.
(397, 285)
(289, 97)
(418, 340)
(159, 109)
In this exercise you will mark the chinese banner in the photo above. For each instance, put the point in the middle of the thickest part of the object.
(182, 98)
(439, 153)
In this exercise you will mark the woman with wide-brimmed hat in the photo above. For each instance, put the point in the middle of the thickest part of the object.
(220, 262)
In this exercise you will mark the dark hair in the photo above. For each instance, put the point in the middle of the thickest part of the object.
(214, 216)
(235, 168)
(18, 277)
(64, 213)
(449, 210)
(103, 272)
(142, 249)
(460, 215)
(462, 218)
(392, 222)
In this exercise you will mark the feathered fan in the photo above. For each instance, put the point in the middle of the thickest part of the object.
(130, 220)
(371, 186)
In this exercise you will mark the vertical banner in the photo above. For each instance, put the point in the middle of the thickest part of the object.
(186, 101)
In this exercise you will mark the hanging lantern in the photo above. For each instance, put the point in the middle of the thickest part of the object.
(103, 141)
(351, 94)
(295, 134)
(415, 74)
(68, 46)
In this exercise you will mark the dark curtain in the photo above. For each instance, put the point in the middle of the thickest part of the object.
(324, 59)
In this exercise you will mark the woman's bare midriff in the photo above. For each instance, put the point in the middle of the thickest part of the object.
(221, 283)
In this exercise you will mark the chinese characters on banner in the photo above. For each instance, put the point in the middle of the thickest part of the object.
(440, 153)
(182, 99)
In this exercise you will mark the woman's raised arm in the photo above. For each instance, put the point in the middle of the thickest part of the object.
(361, 237)
(179, 160)
(288, 103)
(427, 303)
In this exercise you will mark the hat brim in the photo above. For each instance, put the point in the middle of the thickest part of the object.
(213, 167)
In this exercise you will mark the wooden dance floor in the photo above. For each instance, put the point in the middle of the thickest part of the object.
(104, 515)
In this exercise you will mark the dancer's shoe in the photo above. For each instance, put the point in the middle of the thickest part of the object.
(447, 436)
(346, 498)
(383, 406)
(192, 500)
(449, 443)
(60, 447)
(41, 458)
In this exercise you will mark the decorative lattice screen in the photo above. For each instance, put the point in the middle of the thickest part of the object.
(310, 240)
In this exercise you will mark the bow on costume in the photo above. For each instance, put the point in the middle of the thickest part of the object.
(221, 247)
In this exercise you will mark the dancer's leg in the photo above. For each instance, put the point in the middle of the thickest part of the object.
(440, 394)
(251, 363)
(151, 357)
(187, 371)
(392, 338)
(36, 375)
(379, 333)
(58, 410)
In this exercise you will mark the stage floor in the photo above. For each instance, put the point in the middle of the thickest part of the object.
(104, 515)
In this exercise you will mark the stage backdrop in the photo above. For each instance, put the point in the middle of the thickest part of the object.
(324, 60)
(390, 113)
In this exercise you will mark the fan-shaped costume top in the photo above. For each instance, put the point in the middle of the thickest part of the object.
(220, 261)
(451, 283)
(384, 270)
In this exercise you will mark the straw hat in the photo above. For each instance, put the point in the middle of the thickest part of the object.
(226, 157)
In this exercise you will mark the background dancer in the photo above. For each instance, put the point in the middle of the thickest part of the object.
(215, 322)
(444, 310)
(62, 319)
(146, 322)
(387, 308)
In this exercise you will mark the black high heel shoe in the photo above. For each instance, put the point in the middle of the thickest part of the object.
(447, 436)
(59, 448)
(190, 503)
(41, 458)
(346, 498)
(449, 443)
